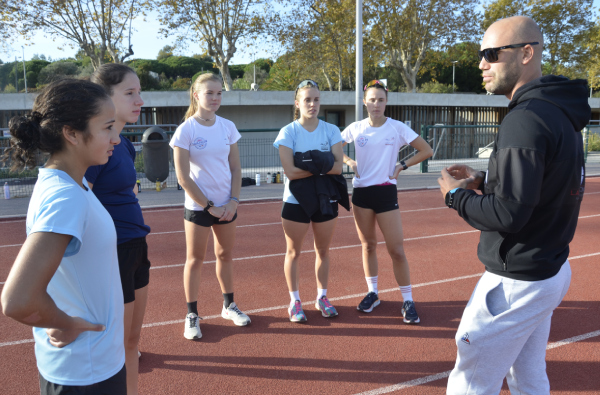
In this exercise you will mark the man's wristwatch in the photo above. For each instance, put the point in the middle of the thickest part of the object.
(450, 197)
(404, 166)
(209, 204)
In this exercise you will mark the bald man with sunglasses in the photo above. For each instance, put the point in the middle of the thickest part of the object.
(527, 214)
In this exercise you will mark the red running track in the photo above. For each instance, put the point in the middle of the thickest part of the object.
(350, 354)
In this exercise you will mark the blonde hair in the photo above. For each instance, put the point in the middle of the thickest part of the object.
(202, 78)
(296, 109)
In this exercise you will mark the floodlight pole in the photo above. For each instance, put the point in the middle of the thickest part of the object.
(454, 62)
(24, 74)
(359, 62)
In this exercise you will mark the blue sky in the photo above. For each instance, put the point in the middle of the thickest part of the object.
(146, 43)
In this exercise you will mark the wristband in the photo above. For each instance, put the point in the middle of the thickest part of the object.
(404, 166)
(450, 197)
(235, 199)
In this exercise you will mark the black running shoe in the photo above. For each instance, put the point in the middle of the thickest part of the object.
(369, 302)
(410, 313)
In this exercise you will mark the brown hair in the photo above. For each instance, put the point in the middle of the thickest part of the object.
(110, 74)
(296, 109)
(67, 102)
(377, 86)
(202, 78)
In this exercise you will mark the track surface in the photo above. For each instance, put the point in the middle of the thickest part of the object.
(350, 354)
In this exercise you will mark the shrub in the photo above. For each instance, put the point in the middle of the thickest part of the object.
(436, 87)
(56, 71)
(241, 83)
(593, 142)
(182, 84)
(10, 88)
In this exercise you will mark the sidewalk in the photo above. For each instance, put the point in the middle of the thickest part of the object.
(171, 197)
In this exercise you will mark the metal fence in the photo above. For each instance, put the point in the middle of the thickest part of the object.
(469, 144)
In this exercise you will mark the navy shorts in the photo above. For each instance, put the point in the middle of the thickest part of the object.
(379, 198)
(295, 212)
(203, 218)
(134, 266)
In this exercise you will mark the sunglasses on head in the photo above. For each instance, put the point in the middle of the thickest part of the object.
(307, 83)
(375, 83)
(491, 54)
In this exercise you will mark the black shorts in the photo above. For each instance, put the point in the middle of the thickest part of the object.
(295, 212)
(379, 198)
(134, 266)
(203, 218)
(115, 385)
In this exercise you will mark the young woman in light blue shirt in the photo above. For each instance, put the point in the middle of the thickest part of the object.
(307, 133)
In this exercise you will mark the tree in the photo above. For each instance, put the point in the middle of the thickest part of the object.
(402, 31)
(562, 22)
(56, 71)
(95, 26)
(165, 52)
(220, 24)
(320, 35)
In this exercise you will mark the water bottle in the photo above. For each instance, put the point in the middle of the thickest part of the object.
(6, 191)
(139, 185)
(158, 185)
(257, 179)
(278, 177)
(179, 188)
(274, 178)
(269, 179)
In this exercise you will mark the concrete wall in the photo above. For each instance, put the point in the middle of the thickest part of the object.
(23, 101)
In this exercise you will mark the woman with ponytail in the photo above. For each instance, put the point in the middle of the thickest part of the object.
(308, 140)
(114, 184)
(207, 162)
(65, 280)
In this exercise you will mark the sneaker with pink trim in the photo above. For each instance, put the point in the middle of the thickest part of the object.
(296, 313)
(326, 309)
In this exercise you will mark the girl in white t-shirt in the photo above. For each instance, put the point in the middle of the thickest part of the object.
(207, 162)
(377, 140)
(307, 133)
(65, 281)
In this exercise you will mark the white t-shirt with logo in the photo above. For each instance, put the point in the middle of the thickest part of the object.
(297, 138)
(377, 149)
(87, 283)
(209, 158)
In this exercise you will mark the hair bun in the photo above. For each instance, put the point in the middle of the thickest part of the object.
(26, 130)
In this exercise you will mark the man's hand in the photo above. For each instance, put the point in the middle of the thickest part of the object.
(464, 172)
(448, 183)
(61, 338)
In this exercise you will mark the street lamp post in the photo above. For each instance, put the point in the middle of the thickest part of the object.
(454, 62)
(24, 73)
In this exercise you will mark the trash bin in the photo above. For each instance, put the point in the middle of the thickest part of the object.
(155, 151)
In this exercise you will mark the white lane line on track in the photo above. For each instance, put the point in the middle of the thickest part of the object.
(443, 375)
(12, 245)
(590, 216)
(309, 251)
(583, 256)
(262, 310)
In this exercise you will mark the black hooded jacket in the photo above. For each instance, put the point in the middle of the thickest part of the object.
(314, 193)
(535, 181)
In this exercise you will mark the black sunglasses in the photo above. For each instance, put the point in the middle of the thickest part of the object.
(491, 54)
(307, 83)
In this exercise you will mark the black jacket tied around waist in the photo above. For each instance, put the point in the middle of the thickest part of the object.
(315, 193)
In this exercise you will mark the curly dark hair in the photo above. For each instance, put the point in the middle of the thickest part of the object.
(67, 102)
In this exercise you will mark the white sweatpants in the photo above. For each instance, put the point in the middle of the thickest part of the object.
(504, 333)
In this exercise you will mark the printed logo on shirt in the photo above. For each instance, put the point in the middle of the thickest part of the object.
(200, 143)
(390, 141)
(465, 338)
(325, 146)
(362, 141)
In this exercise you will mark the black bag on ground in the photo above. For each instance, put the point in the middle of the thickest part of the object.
(246, 181)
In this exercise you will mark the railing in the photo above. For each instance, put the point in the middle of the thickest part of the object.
(471, 144)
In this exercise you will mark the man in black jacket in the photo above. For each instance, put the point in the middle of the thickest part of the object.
(527, 215)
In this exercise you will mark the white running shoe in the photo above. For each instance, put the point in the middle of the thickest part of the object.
(234, 314)
(192, 327)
